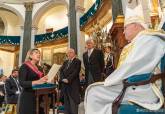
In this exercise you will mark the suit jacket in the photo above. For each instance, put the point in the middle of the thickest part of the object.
(11, 88)
(94, 64)
(1, 91)
(72, 74)
(109, 67)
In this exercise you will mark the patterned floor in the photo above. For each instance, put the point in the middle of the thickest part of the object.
(81, 110)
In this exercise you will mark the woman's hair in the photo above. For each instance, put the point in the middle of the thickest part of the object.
(28, 58)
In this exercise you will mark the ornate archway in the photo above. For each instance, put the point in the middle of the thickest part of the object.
(2, 26)
(47, 6)
(14, 10)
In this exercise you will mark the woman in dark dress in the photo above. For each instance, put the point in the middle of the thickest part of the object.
(30, 75)
(109, 61)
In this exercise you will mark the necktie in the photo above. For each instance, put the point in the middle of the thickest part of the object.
(17, 84)
(89, 52)
(69, 62)
(108, 57)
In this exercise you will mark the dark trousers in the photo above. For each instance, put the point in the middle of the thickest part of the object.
(70, 106)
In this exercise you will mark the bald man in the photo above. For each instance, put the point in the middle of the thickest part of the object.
(70, 83)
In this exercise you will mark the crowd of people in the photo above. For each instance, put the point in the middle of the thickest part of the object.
(99, 65)
(17, 88)
(143, 56)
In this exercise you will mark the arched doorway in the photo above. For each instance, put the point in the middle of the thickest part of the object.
(45, 13)
(2, 27)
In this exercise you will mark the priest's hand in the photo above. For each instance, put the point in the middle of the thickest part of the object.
(65, 80)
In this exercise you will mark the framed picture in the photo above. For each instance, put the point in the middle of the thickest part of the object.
(58, 58)
(47, 55)
(16, 60)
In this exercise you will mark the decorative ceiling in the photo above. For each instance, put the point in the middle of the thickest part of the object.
(21, 1)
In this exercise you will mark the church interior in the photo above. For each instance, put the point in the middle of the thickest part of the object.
(52, 26)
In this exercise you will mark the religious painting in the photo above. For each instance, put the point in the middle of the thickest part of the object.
(16, 60)
(47, 55)
(58, 58)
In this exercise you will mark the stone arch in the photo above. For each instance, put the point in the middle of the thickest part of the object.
(88, 4)
(45, 8)
(14, 10)
(5, 24)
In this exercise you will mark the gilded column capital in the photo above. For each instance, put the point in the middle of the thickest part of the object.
(119, 19)
(34, 28)
(29, 6)
(80, 9)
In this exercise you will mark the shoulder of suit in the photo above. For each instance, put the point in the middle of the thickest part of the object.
(66, 61)
(8, 79)
(77, 59)
(97, 49)
(84, 52)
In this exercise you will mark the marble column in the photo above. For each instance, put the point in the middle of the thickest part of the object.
(162, 5)
(117, 9)
(72, 25)
(34, 32)
(146, 12)
(27, 30)
(21, 45)
(80, 34)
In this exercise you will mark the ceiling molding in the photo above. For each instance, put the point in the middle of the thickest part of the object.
(102, 16)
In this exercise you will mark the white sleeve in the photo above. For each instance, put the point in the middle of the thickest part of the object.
(143, 58)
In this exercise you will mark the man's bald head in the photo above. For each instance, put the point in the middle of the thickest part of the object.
(131, 30)
(71, 53)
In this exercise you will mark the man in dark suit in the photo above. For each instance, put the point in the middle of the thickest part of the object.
(1, 93)
(70, 83)
(93, 62)
(12, 88)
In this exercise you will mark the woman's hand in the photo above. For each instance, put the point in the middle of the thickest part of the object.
(40, 81)
(43, 79)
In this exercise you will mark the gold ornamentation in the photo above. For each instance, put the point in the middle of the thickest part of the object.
(126, 50)
(29, 6)
(119, 19)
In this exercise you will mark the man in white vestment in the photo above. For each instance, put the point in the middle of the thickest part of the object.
(142, 56)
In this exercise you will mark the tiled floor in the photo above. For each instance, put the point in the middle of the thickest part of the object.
(81, 109)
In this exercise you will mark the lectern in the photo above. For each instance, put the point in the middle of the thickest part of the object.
(44, 90)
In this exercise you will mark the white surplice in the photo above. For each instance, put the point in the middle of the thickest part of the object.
(141, 56)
